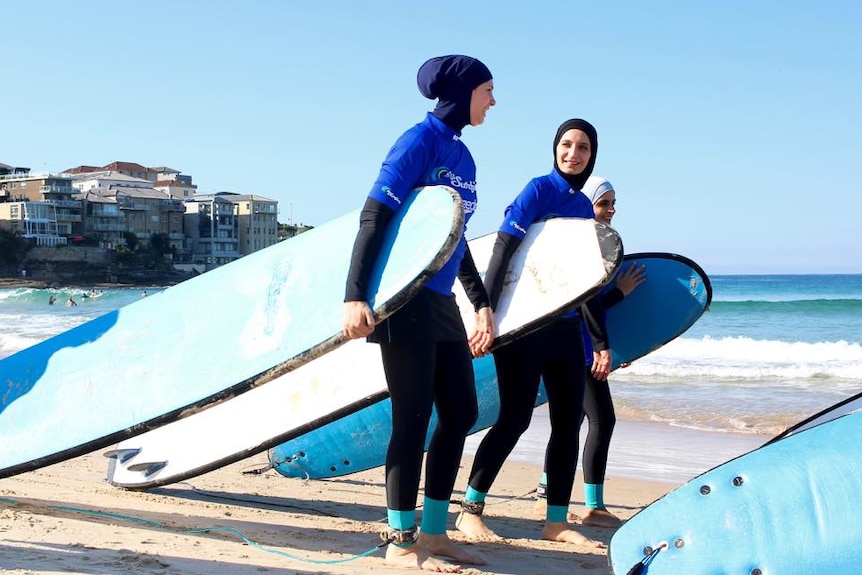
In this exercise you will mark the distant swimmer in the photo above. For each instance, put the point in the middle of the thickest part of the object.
(144, 293)
(70, 302)
(51, 300)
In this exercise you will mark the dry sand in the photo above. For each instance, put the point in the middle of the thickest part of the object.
(67, 519)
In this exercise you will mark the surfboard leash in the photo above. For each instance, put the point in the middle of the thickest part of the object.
(273, 464)
(230, 530)
(639, 567)
(461, 502)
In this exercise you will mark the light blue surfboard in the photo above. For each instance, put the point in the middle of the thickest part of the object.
(674, 296)
(790, 507)
(210, 338)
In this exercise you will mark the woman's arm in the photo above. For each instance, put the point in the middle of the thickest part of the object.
(358, 317)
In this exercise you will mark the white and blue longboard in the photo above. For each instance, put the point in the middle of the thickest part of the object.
(674, 296)
(542, 279)
(210, 338)
(790, 507)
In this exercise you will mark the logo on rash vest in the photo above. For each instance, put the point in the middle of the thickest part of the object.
(469, 205)
(444, 174)
(515, 225)
(388, 191)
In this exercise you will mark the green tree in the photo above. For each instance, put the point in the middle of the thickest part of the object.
(131, 241)
(160, 244)
(13, 248)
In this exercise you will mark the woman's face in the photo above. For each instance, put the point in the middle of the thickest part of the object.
(480, 101)
(573, 152)
(605, 207)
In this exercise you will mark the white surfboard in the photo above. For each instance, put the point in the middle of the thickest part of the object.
(560, 263)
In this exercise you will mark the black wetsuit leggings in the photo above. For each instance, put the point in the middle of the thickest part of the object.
(556, 355)
(421, 375)
(599, 411)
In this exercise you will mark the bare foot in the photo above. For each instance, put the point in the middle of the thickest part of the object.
(417, 557)
(601, 518)
(442, 545)
(561, 532)
(474, 527)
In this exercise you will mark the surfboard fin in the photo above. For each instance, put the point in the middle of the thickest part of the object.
(122, 455)
(148, 468)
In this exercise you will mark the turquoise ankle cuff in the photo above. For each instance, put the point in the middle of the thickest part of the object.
(557, 513)
(434, 516)
(401, 520)
(594, 496)
(473, 495)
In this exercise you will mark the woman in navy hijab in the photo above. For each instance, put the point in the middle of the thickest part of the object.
(427, 355)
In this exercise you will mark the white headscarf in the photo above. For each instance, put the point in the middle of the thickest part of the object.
(596, 187)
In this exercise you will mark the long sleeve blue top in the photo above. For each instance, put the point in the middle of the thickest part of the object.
(544, 198)
(430, 153)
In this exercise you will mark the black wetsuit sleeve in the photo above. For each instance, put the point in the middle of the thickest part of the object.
(469, 277)
(372, 229)
(612, 297)
(594, 314)
(504, 246)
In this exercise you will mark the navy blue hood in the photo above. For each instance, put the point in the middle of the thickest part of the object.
(451, 80)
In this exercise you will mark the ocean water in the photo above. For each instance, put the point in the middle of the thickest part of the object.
(771, 351)
(26, 318)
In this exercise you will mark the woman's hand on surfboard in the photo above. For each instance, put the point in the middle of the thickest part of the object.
(358, 319)
(630, 278)
(483, 332)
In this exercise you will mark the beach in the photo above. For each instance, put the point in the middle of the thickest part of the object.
(771, 351)
(67, 518)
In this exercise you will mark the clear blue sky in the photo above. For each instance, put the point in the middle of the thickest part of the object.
(731, 130)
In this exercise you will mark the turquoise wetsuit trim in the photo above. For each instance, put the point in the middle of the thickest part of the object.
(557, 513)
(434, 516)
(401, 520)
(594, 496)
(473, 495)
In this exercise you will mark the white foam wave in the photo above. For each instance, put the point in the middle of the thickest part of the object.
(747, 358)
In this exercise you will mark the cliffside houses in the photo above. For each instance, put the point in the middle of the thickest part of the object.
(106, 203)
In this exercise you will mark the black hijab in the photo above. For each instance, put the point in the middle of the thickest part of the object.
(577, 181)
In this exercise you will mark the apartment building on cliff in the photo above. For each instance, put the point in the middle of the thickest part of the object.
(109, 202)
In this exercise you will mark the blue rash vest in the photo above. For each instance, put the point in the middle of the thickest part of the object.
(541, 199)
(430, 153)
(544, 198)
